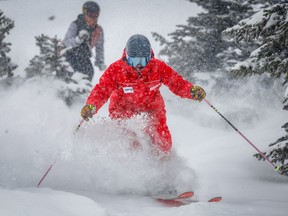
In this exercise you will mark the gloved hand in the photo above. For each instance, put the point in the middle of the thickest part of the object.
(198, 93)
(83, 36)
(100, 65)
(87, 111)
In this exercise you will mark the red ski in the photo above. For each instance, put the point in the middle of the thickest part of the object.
(176, 201)
(184, 199)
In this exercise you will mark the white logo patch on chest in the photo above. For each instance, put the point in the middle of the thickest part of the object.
(128, 90)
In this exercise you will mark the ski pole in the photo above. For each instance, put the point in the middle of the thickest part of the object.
(79, 125)
(46, 173)
(50, 167)
(52, 164)
(276, 168)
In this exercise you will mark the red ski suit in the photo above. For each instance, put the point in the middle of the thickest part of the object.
(132, 93)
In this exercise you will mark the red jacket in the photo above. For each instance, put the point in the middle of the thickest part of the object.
(131, 93)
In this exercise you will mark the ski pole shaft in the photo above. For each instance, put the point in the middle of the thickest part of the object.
(93, 111)
(79, 125)
(51, 166)
(46, 173)
(241, 134)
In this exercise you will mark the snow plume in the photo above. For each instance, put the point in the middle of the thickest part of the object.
(101, 156)
(34, 124)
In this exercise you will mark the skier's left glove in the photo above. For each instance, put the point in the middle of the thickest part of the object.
(198, 93)
(88, 111)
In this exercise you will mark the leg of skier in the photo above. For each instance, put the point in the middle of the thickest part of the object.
(159, 133)
(80, 63)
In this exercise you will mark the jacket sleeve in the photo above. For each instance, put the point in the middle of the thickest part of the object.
(103, 90)
(176, 83)
(70, 37)
(99, 48)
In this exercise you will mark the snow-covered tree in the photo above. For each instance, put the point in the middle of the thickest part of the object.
(270, 27)
(279, 149)
(199, 44)
(279, 152)
(51, 63)
(6, 66)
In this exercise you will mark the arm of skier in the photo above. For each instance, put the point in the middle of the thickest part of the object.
(99, 50)
(71, 38)
(181, 87)
(99, 94)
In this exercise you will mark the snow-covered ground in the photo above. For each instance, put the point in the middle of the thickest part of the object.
(95, 171)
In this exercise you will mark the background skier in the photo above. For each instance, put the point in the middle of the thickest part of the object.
(133, 85)
(83, 34)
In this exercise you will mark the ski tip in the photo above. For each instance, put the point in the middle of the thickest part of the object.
(187, 194)
(215, 199)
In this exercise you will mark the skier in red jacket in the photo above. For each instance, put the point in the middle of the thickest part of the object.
(133, 85)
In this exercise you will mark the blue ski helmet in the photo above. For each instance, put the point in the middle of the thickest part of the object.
(138, 46)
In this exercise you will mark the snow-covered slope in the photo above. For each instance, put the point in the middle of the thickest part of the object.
(96, 172)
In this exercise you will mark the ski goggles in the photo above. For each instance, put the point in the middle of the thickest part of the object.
(135, 61)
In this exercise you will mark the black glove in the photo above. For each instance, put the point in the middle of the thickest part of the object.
(100, 65)
(198, 93)
(88, 111)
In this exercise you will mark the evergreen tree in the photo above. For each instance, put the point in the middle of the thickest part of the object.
(6, 66)
(279, 149)
(279, 152)
(199, 44)
(51, 63)
(270, 27)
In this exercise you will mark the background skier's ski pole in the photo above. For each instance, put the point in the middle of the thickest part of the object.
(276, 168)
(50, 167)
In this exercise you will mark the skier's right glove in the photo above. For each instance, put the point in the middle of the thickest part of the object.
(100, 65)
(83, 36)
(88, 111)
